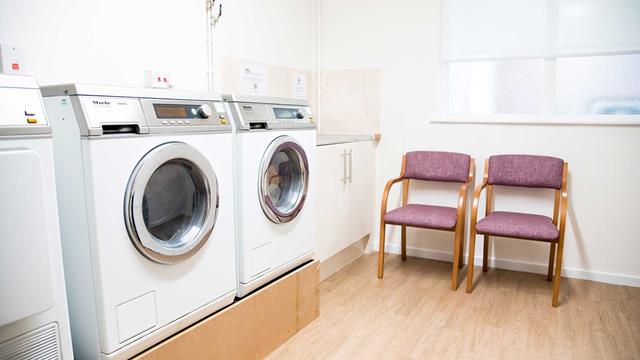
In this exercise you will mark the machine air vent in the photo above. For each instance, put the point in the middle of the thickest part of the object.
(39, 344)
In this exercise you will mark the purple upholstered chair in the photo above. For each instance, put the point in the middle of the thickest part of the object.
(430, 166)
(525, 171)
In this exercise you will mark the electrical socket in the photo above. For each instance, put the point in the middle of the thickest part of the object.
(11, 59)
(157, 79)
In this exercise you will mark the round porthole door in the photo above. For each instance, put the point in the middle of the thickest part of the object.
(283, 179)
(171, 202)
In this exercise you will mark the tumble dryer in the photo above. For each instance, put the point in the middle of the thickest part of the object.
(275, 159)
(34, 323)
(146, 210)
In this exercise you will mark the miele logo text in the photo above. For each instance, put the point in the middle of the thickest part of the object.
(96, 102)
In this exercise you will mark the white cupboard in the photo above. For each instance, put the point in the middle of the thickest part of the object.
(345, 181)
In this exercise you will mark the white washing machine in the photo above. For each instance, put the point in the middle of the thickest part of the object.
(275, 197)
(34, 323)
(145, 188)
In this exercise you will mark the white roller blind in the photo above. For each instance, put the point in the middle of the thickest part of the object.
(477, 29)
(586, 26)
(494, 28)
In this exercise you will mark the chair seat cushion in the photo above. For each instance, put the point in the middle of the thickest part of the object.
(423, 216)
(518, 225)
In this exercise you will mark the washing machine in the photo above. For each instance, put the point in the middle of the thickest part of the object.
(34, 323)
(275, 167)
(145, 189)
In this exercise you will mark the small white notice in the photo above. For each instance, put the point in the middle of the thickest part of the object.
(253, 79)
(299, 86)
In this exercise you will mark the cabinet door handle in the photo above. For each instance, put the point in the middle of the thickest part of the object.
(350, 165)
(344, 166)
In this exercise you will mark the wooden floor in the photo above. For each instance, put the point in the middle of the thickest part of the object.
(412, 313)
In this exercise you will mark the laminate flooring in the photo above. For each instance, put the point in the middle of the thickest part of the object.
(413, 314)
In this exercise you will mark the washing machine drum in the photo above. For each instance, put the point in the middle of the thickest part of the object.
(171, 202)
(283, 180)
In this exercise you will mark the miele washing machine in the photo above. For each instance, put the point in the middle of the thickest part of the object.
(275, 190)
(34, 323)
(145, 187)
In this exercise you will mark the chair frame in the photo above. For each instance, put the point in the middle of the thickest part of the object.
(560, 206)
(459, 230)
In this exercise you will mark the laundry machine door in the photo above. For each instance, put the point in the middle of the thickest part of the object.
(283, 179)
(171, 202)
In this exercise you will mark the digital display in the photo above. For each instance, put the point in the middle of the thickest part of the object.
(164, 111)
(285, 113)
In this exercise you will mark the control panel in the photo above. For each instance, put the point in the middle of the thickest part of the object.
(111, 110)
(265, 116)
(163, 113)
(21, 111)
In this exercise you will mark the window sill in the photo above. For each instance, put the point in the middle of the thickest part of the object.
(515, 119)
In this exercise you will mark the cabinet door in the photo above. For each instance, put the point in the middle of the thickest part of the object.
(361, 188)
(333, 229)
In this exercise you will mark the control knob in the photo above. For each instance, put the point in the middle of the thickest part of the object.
(205, 111)
(299, 114)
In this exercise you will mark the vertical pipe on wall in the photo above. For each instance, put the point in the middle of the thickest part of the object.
(318, 76)
(212, 20)
(209, 10)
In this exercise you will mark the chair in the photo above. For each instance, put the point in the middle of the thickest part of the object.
(525, 171)
(429, 166)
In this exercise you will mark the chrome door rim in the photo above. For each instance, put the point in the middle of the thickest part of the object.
(150, 246)
(269, 209)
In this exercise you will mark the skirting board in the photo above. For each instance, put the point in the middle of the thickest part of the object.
(343, 258)
(604, 277)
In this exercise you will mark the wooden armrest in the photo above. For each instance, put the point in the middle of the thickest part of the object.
(462, 195)
(476, 200)
(564, 200)
(385, 194)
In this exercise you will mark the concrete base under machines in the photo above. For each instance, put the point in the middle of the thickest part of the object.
(252, 327)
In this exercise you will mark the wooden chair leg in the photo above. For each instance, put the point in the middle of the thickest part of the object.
(485, 254)
(404, 242)
(456, 258)
(462, 240)
(552, 255)
(472, 250)
(381, 251)
(556, 280)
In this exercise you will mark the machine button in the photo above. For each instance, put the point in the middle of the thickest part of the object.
(205, 111)
(32, 120)
(164, 122)
(29, 113)
(223, 121)
(187, 122)
(180, 122)
(173, 122)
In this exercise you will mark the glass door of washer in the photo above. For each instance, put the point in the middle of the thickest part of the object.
(283, 179)
(171, 202)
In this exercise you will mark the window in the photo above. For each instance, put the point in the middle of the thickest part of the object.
(550, 58)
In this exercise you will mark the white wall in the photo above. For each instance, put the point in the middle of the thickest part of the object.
(403, 39)
(115, 41)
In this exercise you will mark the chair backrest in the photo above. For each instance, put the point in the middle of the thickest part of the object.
(526, 171)
(437, 166)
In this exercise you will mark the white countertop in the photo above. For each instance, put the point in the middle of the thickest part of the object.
(331, 139)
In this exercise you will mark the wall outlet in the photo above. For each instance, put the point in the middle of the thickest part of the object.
(157, 79)
(11, 59)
